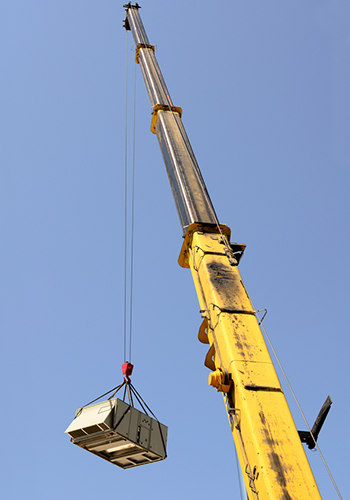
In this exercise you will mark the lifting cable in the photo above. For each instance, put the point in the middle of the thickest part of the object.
(125, 189)
(297, 402)
(129, 282)
(127, 367)
(132, 212)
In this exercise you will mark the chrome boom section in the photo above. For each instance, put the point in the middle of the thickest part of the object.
(190, 194)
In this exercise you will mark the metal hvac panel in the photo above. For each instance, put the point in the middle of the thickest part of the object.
(158, 436)
(145, 429)
(123, 419)
(92, 419)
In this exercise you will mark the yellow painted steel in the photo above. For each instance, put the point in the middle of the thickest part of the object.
(270, 452)
(218, 380)
(142, 46)
(162, 107)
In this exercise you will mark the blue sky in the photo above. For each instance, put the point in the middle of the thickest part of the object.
(264, 88)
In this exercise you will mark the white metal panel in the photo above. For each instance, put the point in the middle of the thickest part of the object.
(90, 418)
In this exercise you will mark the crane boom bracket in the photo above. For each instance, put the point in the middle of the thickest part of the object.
(310, 438)
(200, 227)
(162, 107)
(142, 46)
(197, 227)
(128, 6)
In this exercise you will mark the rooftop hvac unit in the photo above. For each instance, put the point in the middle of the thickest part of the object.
(119, 433)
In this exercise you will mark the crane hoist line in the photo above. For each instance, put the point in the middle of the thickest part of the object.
(269, 448)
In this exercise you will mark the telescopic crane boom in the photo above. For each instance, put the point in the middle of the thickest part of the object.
(269, 448)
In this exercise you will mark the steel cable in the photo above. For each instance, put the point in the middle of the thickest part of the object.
(132, 215)
(125, 189)
(128, 331)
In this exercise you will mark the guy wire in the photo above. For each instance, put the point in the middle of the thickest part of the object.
(242, 488)
(299, 407)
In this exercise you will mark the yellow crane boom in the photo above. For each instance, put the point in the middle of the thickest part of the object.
(269, 448)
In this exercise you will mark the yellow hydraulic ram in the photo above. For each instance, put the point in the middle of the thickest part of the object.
(270, 452)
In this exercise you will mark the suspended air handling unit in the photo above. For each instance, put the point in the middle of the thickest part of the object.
(118, 432)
